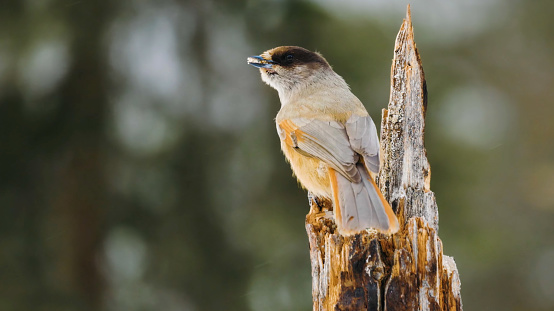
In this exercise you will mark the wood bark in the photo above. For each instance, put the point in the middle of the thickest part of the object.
(405, 271)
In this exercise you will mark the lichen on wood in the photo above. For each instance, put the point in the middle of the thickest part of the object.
(405, 271)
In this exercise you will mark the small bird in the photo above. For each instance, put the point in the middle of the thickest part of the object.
(328, 137)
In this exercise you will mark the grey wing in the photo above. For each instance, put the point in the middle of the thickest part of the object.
(363, 137)
(325, 140)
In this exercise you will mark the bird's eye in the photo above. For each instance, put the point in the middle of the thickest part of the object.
(289, 57)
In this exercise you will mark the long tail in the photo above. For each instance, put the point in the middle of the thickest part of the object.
(359, 206)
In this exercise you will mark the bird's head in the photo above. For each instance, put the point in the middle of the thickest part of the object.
(287, 68)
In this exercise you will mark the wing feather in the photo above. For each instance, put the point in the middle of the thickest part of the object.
(363, 137)
(325, 140)
(338, 144)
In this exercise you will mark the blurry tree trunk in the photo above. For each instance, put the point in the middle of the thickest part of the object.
(79, 194)
(405, 271)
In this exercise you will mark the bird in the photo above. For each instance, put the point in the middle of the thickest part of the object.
(328, 137)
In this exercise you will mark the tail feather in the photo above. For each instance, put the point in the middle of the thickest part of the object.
(359, 206)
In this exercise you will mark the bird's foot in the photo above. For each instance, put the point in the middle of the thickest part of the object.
(314, 201)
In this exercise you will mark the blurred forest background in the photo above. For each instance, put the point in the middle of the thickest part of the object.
(140, 168)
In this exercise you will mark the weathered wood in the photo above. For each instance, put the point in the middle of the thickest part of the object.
(406, 271)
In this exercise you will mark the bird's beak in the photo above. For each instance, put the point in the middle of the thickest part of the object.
(260, 62)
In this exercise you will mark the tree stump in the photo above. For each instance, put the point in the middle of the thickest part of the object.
(405, 271)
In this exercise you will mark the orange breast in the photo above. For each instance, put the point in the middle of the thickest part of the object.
(311, 172)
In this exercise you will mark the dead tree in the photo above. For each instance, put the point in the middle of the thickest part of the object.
(405, 271)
